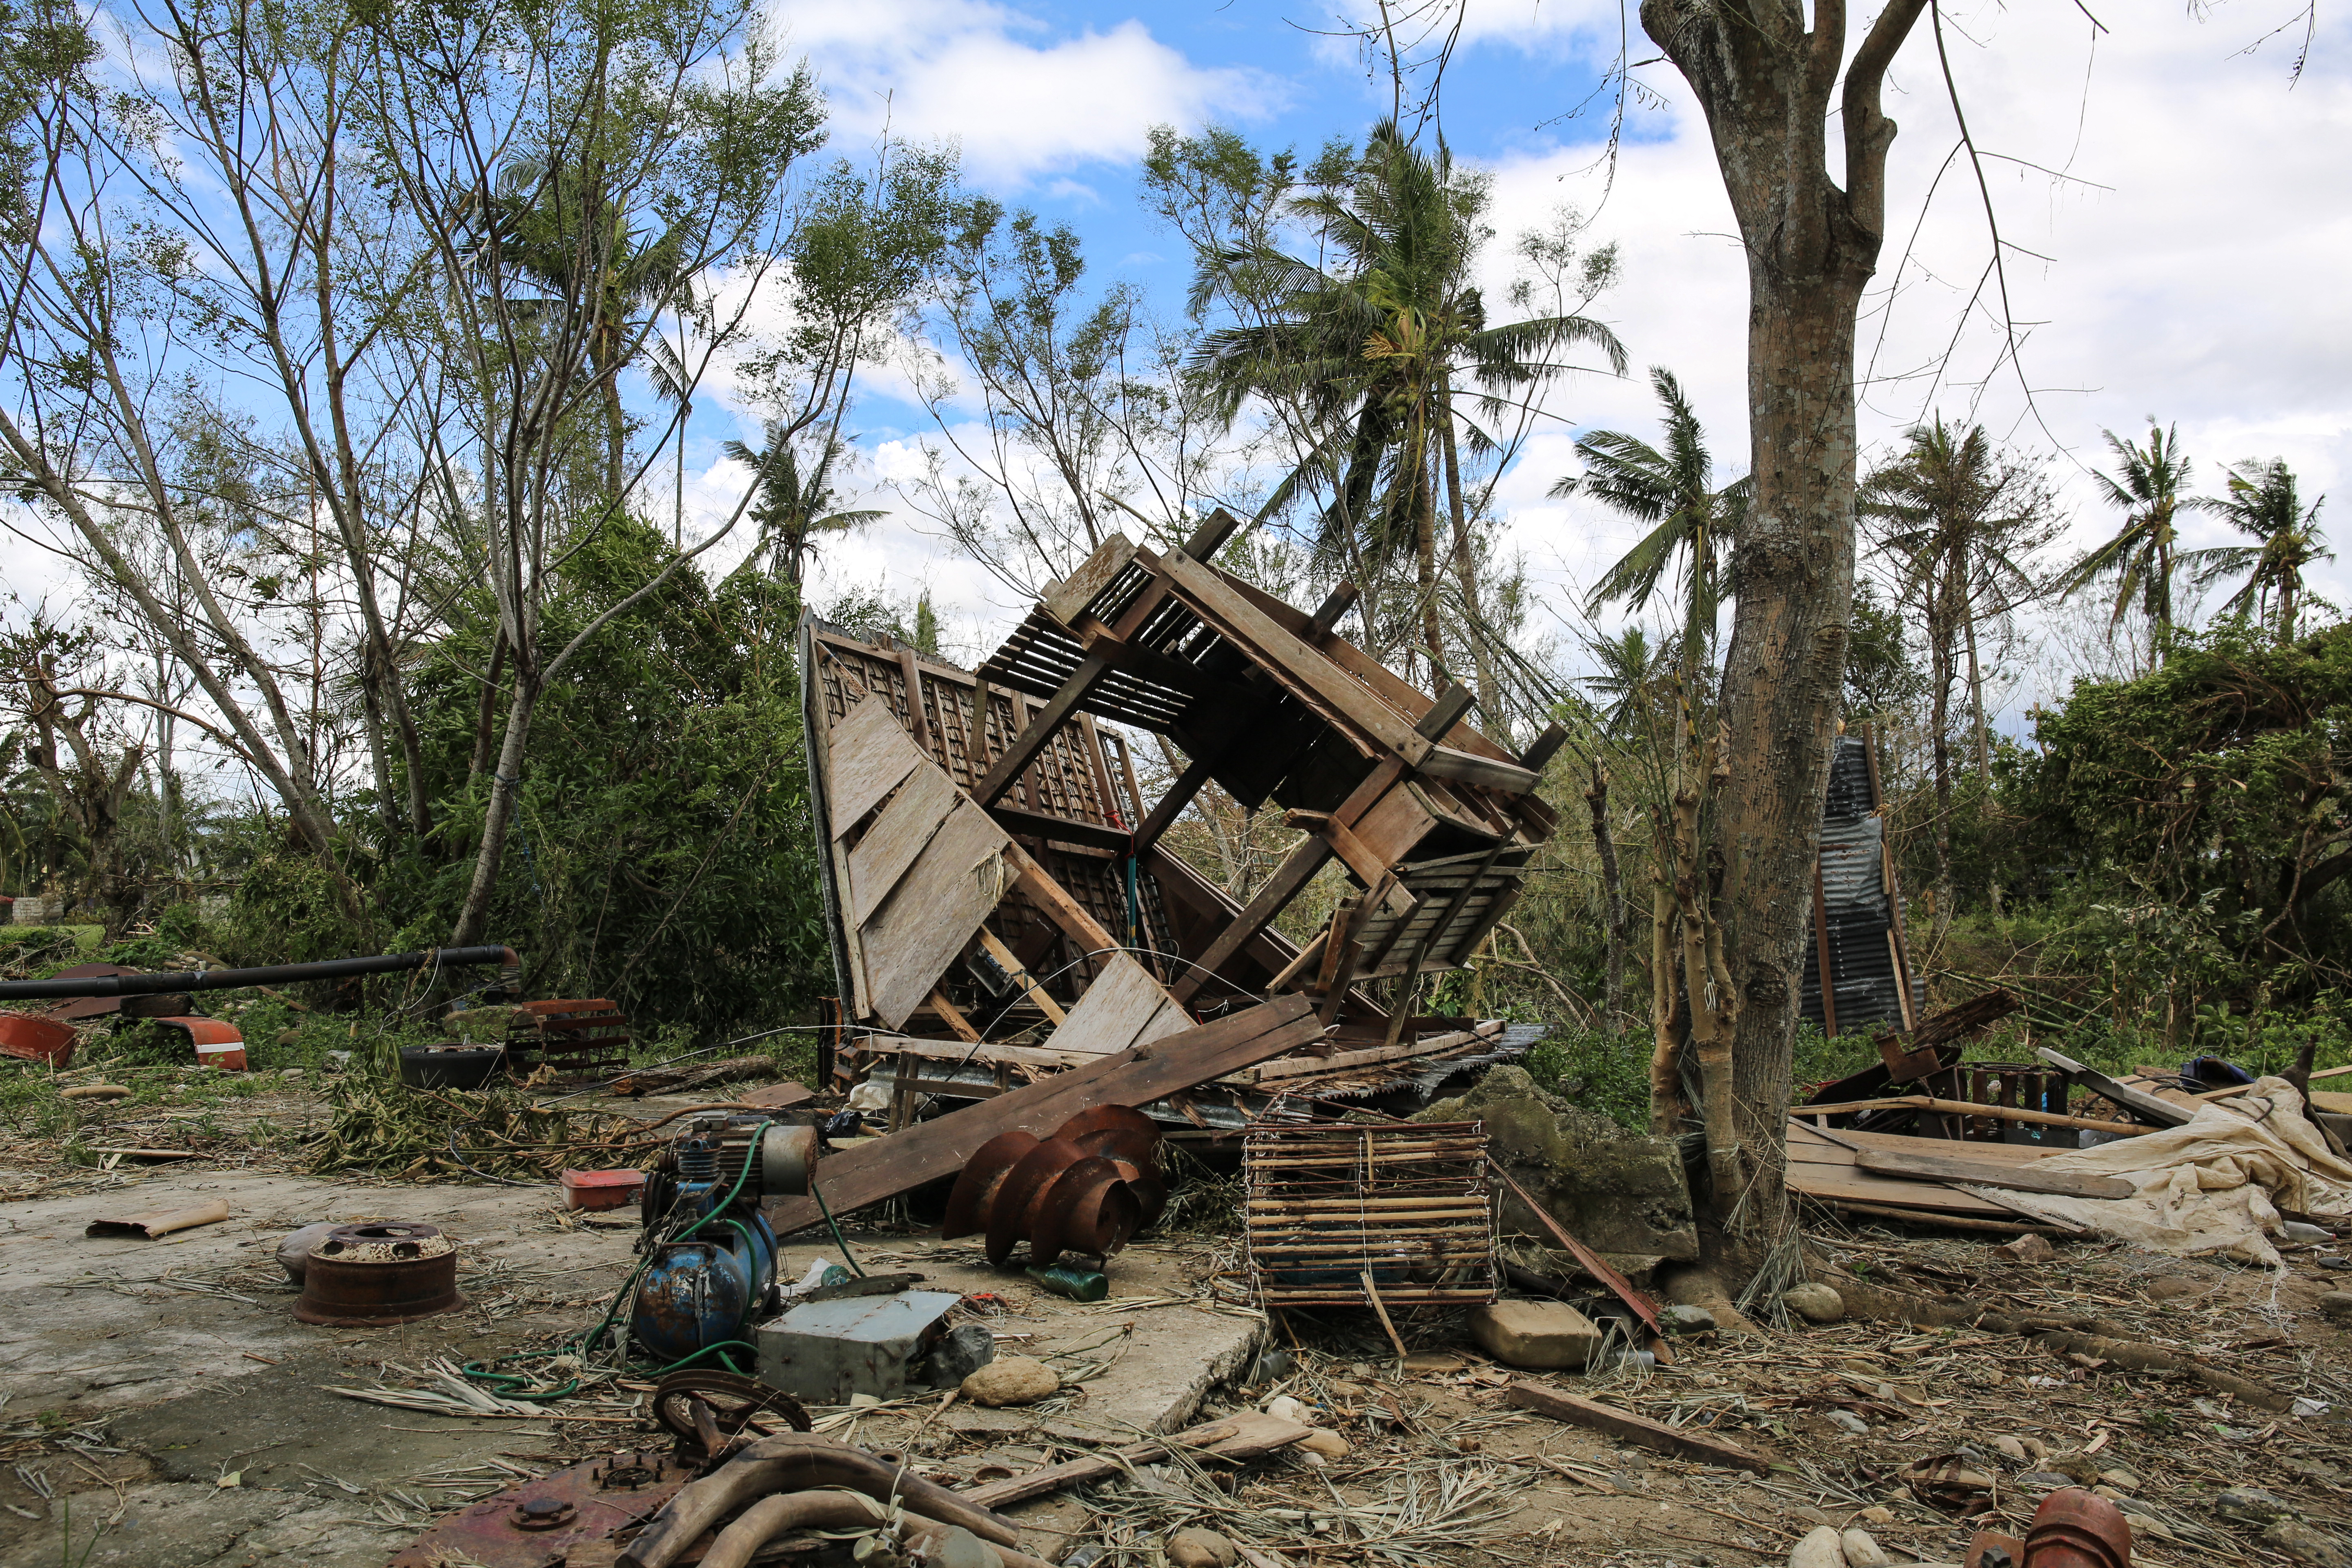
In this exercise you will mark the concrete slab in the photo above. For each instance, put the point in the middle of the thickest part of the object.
(187, 1350)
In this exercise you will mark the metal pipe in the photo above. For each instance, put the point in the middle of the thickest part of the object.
(273, 975)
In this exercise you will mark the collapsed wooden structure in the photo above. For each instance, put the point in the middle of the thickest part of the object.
(1000, 897)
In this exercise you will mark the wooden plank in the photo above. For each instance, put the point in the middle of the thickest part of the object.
(1639, 1430)
(1970, 1108)
(1055, 900)
(1276, 890)
(987, 1053)
(1290, 658)
(958, 1025)
(1066, 600)
(1468, 767)
(930, 1150)
(1445, 712)
(1950, 1221)
(1969, 1149)
(1038, 732)
(1171, 804)
(933, 913)
(1370, 868)
(1121, 1006)
(1040, 824)
(1018, 973)
(899, 833)
(919, 722)
(1854, 1185)
(1591, 1262)
(871, 755)
(1343, 1060)
(1984, 1173)
(2164, 1113)
(1245, 1435)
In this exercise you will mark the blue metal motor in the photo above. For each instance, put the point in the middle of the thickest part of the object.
(713, 1265)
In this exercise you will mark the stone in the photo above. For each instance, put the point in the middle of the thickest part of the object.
(2045, 1480)
(1535, 1335)
(2318, 1471)
(2171, 1286)
(1821, 1548)
(1848, 1421)
(2027, 1249)
(1282, 1407)
(2301, 1541)
(2008, 1447)
(1876, 1514)
(2251, 1505)
(1815, 1303)
(2336, 1304)
(956, 1547)
(1325, 1442)
(961, 1352)
(1011, 1380)
(291, 1072)
(1687, 1319)
(1862, 1550)
(1615, 1190)
(1198, 1548)
(294, 1252)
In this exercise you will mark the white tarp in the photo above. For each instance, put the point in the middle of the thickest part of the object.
(2214, 1185)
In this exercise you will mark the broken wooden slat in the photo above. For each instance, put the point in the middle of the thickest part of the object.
(2021, 1178)
(1635, 1429)
(924, 1152)
(1344, 1059)
(1971, 1107)
(1949, 1221)
(1591, 1262)
(871, 755)
(1018, 973)
(1123, 1006)
(1243, 1437)
(898, 835)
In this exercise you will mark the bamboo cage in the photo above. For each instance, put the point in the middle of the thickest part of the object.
(1350, 1214)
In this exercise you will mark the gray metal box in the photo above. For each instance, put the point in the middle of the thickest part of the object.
(825, 1351)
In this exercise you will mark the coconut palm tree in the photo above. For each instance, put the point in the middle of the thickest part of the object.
(1674, 491)
(792, 510)
(1382, 346)
(2262, 503)
(1960, 525)
(2143, 557)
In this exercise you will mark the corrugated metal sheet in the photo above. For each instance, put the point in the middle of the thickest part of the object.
(1861, 915)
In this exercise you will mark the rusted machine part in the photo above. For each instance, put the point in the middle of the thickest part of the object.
(981, 1178)
(539, 1522)
(795, 1461)
(366, 1276)
(2077, 1528)
(1088, 1188)
(1091, 1209)
(731, 1402)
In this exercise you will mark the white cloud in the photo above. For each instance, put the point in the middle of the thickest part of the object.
(1021, 104)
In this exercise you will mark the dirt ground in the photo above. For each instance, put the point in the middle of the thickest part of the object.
(162, 1393)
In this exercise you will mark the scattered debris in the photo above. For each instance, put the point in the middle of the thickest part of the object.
(162, 1224)
(1639, 1430)
(825, 1352)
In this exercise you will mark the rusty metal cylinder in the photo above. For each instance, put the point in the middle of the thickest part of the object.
(389, 1272)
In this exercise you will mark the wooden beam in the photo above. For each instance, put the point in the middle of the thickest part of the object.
(1171, 804)
(919, 721)
(1468, 767)
(1984, 1173)
(1327, 615)
(985, 1053)
(1445, 713)
(958, 1025)
(1018, 973)
(2163, 1112)
(1290, 658)
(1969, 1108)
(1277, 891)
(1359, 857)
(1640, 1430)
(1039, 824)
(1547, 745)
(886, 1167)
(1066, 600)
(1309, 955)
(1064, 910)
(1038, 733)
(1209, 538)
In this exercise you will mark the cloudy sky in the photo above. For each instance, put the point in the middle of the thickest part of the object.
(2177, 211)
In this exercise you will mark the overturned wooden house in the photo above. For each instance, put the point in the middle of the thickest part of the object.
(1001, 901)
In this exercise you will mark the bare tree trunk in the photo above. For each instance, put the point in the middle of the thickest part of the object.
(1665, 1022)
(1424, 556)
(1612, 896)
(1939, 745)
(505, 783)
(1769, 87)
(1466, 569)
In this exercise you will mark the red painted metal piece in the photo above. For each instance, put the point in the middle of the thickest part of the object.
(2077, 1528)
(539, 1521)
(216, 1044)
(594, 1190)
(33, 1039)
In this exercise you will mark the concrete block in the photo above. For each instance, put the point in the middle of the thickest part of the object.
(1535, 1335)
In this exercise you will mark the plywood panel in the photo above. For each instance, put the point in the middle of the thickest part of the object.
(898, 835)
(871, 755)
(1121, 1005)
(954, 884)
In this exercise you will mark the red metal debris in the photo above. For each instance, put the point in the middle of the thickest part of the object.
(542, 1521)
(36, 1039)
